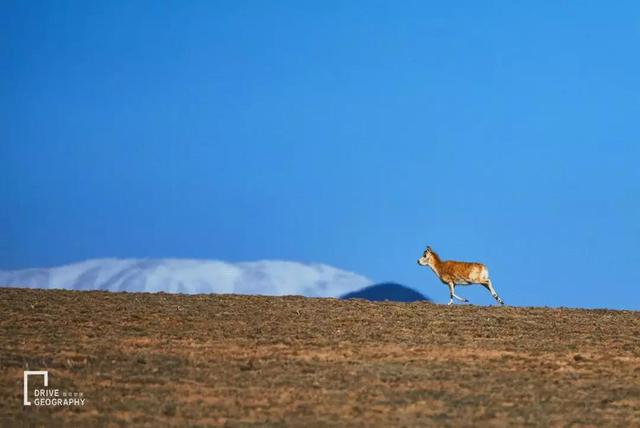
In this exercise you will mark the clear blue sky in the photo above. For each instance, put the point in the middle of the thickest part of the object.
(349, 133)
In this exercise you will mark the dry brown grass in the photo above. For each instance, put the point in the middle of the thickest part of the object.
(159, 359)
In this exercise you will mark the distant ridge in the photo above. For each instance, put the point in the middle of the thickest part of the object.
(387, 291)
(190, 276)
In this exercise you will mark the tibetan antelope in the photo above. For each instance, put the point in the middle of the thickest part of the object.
(458, 273)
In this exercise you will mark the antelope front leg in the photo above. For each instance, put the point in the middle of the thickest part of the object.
(452, 294)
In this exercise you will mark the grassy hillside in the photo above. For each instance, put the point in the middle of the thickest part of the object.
(158, 359)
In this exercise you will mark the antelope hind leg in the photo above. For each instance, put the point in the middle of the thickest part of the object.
(489, 286)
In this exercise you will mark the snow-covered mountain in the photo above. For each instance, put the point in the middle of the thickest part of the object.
(267, 277)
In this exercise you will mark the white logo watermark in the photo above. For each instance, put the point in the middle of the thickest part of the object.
(50, 396)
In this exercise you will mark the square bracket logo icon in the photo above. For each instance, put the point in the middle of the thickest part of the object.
(28, 373)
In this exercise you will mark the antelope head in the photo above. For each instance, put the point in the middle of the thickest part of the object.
(427, 258)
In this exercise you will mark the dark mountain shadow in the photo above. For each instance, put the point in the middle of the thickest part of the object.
(387, 291)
